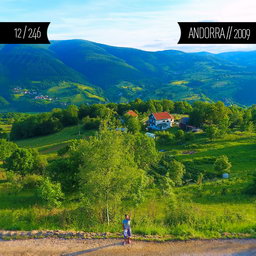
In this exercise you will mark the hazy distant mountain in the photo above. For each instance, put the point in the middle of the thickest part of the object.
(39, 77)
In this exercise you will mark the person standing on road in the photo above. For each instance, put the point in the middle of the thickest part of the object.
(126, 223)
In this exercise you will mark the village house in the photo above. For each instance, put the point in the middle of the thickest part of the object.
(160, 121)
(131, 113)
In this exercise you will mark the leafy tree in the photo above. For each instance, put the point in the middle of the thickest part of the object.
(189, 136)
(236, 116)
(166, 185)
(144, 150)
(101, 111)
(139, 105)
(182, 107)
(109, 173)
(204, 114)
(6, 149)
(25, 161)
(66, 172)
(212, 131)
(50, 193)
(39, 162)
(70, 115)
(15, 182)
(133, 124)
(251, 188)
(21, 161)
(170, 166)
(179, 135)
(91, 123)
(35, 125)
(151, 106)
(84, 110)
(165, 137)
(222, 165)
(168, 105)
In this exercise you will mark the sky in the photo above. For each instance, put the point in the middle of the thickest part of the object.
(144, 24)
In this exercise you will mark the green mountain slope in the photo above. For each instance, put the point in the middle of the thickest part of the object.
(39, 77)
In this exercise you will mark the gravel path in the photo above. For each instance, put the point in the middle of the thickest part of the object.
(109, 247)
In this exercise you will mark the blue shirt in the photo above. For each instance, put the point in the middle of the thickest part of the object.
(126, 223)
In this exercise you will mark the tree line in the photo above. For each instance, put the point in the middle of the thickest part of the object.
(215, 118)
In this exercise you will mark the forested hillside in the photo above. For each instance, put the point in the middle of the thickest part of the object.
(40, 77)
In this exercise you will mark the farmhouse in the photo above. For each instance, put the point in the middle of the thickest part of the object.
(132, 113)
(160, 121)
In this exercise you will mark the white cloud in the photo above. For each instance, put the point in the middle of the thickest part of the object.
(136, 24)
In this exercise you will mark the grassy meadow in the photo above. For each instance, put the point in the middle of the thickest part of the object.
(53, 142)
(214, 209)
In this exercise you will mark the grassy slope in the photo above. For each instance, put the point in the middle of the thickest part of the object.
(239, 147)
(53, 142)
(220, 208)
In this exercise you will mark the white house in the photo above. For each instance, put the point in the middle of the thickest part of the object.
(160, 121)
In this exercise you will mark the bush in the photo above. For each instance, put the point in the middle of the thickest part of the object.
(180, 135)
(50, 193)
(222, 165)
(165, 137)
(32, 181)
(251, 188)
(25, 161)
(91, 123)
(15, 184)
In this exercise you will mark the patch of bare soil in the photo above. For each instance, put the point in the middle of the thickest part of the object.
(109, 247)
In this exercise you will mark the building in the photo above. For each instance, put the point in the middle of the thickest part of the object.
(160, 121)
(184, 125)
(132, 113)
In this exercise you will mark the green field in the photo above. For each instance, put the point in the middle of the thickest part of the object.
(53, 142)
(216, 208)
(239, 147)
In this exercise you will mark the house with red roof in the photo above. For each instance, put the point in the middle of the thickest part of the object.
(132, 113)
(160, 121)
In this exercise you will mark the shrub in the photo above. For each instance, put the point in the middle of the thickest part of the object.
(50, 193)
(15, 184)
(32, 181)
(222, 165)
(165, 137)
(91, 123)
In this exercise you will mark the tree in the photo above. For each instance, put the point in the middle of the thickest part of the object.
(25, 161)
(21, 161)
(6, 149)
(70, 115)
(222, 165)
(133, 124)
(144, 150)
(91, 123)
(66, 172)
(165, 137)
(182, 107)
(179, 135)
(168, 105)
(50, 193)
(170, 166)
(212, 131)
(109, 173)
(204, 113)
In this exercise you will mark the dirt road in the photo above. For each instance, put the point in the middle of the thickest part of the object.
(109, 247)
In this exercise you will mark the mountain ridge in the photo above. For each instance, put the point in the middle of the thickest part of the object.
(40, 77)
